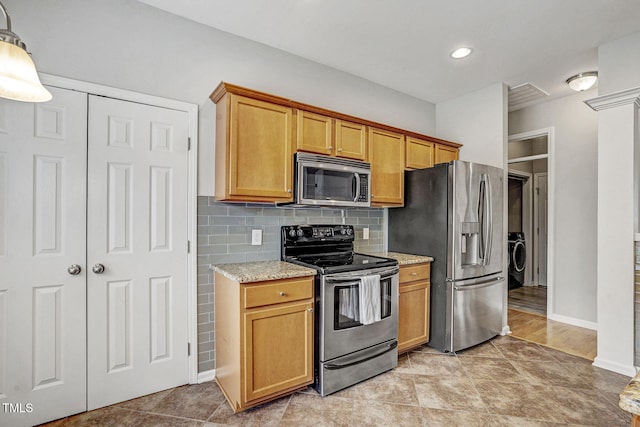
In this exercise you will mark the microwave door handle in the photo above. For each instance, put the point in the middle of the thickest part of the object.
(357, 175)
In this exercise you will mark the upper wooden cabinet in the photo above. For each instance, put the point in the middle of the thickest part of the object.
(386, 155)
(254, 150)
(444, 154)
(257, 134)
(351, 140)
(321, 134)
(424, 154)
(420, 153)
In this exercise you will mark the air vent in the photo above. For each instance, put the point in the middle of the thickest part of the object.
(525, 94)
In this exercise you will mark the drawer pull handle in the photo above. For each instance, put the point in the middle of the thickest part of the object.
(283, 294)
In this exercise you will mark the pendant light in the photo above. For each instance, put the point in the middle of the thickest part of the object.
(18, 77)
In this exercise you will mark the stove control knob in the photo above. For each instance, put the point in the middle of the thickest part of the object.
(343, 231)
(292, 232)
(349, 231)
(300, 233)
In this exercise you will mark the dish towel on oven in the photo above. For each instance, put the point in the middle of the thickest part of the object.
(369, 299)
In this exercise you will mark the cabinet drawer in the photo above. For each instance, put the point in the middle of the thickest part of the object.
(278, 291)
(411, 273)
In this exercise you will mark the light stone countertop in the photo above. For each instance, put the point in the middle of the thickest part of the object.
(247, 272)
(630, 396)
(403, 259)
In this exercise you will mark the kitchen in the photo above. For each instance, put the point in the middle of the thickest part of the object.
(476, 118)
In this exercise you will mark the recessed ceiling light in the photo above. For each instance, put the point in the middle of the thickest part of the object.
(461, 52)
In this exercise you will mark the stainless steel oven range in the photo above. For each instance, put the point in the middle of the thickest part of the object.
(356, 304)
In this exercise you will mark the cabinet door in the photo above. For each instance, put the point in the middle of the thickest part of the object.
(420, 154)
(351, 140)
(278, 349)
(386, 155)
(445, 154)
(413, 315)
(260, 151)
(314, 133)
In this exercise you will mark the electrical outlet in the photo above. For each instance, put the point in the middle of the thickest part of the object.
(365, 233)
(256, 237)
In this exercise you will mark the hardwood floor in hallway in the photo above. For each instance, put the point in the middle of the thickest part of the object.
(532, 299)
(537, 328)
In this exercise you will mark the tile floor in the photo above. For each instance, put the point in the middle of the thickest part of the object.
(503, 382)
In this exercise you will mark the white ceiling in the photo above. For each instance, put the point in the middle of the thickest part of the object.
(405, 44)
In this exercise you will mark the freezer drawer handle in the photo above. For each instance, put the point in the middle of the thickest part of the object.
(334, 366)
(479, 285)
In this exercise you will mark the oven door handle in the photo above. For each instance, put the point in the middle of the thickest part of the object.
(335, 366)
(355, 278)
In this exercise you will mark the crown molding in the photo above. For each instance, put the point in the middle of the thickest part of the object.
(615, 99)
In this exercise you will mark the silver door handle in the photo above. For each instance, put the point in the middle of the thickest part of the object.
(479, 285)
(98, 268)
(74, 269)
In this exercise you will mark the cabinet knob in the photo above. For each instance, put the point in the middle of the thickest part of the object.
(288, 190)
(339, 149)
(310, 310)
(283, 294)
(414, 274)
(329, 148)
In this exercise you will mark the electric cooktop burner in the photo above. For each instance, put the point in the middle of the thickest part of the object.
(327, 248)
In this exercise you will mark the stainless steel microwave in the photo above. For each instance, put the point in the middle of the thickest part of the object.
(331, 181)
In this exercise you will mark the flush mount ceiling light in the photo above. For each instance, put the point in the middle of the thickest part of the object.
(461, 52)
(18, 77)
(583, 81)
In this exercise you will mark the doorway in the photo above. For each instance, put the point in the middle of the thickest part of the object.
(528, 237)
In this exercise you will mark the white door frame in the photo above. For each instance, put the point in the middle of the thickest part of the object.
(527, 221)
(550, 134)
(192, 201)
(536, 222)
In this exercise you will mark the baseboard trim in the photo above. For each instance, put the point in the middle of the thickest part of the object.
(573, 321)
(627, 370)
(205, 376)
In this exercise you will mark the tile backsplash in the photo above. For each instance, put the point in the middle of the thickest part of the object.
(224, 236)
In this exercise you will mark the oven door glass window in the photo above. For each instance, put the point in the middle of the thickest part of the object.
(347, 304)
(328, 184)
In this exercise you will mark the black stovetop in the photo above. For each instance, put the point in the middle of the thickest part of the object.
(327, 248)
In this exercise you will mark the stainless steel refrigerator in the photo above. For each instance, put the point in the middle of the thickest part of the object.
(453, 212)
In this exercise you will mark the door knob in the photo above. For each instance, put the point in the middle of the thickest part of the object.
(74, 269)
(98, 268)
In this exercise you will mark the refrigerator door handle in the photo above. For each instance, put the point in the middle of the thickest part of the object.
(479, 285)
(487, 218)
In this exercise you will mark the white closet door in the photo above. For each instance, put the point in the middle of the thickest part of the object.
(137, 229)
(42, 235)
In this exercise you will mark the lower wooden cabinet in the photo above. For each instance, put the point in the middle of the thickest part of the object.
(413, 306)
(264, 339)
